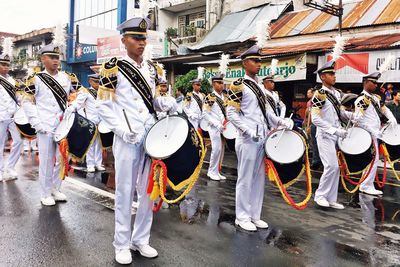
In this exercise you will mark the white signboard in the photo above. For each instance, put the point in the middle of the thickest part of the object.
(353, 66)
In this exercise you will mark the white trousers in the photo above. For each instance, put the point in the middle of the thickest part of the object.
(368, 183)
(49, 164)
(216, 151)
(130, 175)
(94, 155)
(329, 181)
(15, 151)
(251, 178)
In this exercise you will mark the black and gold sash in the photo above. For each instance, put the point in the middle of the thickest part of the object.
(260, 96)
(56, 88)
(198, 101)
(336, 104)
(382, 117)
(221, 105)
(93, 92)
(136, 79)
(271, 102)
(10, 89)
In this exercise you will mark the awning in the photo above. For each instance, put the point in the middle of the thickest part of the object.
(240, 26)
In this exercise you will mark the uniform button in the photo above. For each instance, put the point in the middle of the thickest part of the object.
(140, 110)
(135, 98)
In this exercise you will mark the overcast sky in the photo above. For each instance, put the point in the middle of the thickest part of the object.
(22, 16)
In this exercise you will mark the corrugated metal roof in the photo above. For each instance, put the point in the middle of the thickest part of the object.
(240, 26)
(362, 13)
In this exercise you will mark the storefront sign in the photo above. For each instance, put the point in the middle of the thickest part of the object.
(353, 66)
(85, 52)
(289, 69)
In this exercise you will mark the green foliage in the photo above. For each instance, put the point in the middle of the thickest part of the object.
(185, 82)
(171, 32)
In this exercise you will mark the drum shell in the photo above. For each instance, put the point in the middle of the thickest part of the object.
(204, 128)
(358, 163)
(230, 143)
(106, 139)
(26, 130)
(290, 171)
(393, 151)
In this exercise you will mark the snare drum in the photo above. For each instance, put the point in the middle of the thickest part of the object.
(80, 133)
(357, 149)
(23, 126)
(286, 149)
(177, 143)
(204, 128)
(391, 139)
(230, 133)
(106, 135)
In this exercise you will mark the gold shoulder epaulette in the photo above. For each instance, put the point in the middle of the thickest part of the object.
(109, 68)
(235, 94)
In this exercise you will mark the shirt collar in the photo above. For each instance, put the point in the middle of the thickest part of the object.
(249, 78)
(130, 60)
(217, 94)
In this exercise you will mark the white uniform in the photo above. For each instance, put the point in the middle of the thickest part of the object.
(132, 166)
(193, 110)
(368, 119)
(45, 113)
(327, 121)
(7, 109)
(214, 116)
(280, 106)
(250, 153)
(85, 104)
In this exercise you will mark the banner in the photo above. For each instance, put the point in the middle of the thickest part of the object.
(109, 47)
(85, 52)
(353, 66)
(289, 69)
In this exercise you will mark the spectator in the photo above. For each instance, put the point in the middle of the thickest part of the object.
(388, 93)
(394, 105)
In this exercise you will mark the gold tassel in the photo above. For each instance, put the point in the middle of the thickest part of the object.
(105, 93)
(234, 104)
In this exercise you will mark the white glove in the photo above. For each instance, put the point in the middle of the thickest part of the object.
(287, 123)
(68, 111)
(377, 134)
(392, 122)
(39, 128)
(129, 137)
(252, 134)
(341, 133)
(220, 128)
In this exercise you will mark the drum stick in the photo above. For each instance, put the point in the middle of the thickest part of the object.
(127, 121)
(280, 137)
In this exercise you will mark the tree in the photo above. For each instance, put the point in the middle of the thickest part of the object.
(185, 82)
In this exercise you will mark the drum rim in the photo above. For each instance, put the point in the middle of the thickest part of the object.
(341, 140)
(291, 130)
(383, 139)
(72, 115)
(229, 122)
(145, 138)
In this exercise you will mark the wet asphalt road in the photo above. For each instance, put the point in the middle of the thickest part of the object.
(198, 232)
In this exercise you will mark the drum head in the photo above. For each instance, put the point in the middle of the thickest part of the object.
(20, 118)
(64, 127)
(204, 125)
(103, 128)
(163, 140)
(356, 142)
(289, 149)
(391, 135)
(230, 132)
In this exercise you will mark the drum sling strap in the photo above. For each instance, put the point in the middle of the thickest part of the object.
(198, 101)
(220, 103)
(260, 97)
(271, 102)
(93, 92)
(378, 110)
(336, 104)
(9, 88)
(136, 79)
(56, 88)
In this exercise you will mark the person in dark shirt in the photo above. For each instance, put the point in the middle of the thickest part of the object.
(394, 106)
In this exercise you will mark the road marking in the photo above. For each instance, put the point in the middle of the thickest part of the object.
(90, 188)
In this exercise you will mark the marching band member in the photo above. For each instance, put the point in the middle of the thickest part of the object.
(8, 106)
(273, 99)
(45, 100)
(371, 116)
(126, 104)
(327, 116)
(248, 111)
(85, 104)
(214, 113)
(194, 102)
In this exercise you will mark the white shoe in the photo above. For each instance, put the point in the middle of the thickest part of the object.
(221, 176)
(100, 168)
(27, 149)
(58, 196)
(335, 205)
(90, 169)
(12, 173)
(372, 192)
(213, 177)
(248, 226)
(48, 201)
(145, 250)
(123, 256)
(260, 224)
(322, 202)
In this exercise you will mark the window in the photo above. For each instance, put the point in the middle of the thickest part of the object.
(35, 48)
(196, 20)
